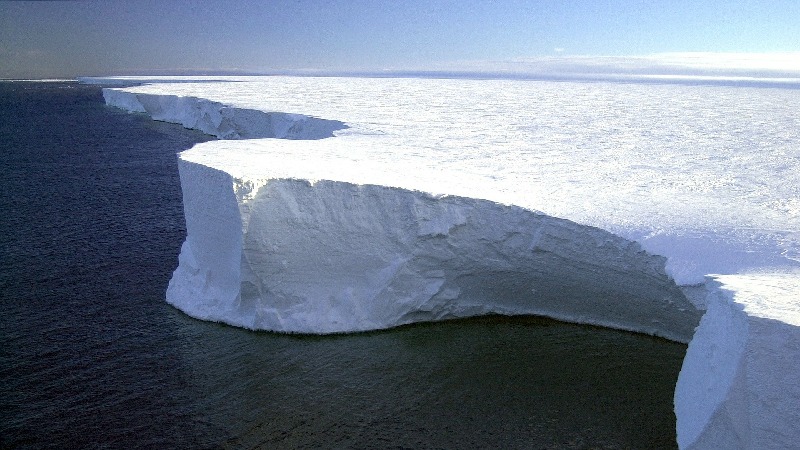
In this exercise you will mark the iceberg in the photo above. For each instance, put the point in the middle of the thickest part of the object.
(352, 204)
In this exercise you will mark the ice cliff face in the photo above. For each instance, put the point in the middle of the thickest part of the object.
(324, 257)
(738, 386)
(358, 233)
(222, 121)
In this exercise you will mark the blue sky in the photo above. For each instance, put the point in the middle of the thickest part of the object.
(67, 39)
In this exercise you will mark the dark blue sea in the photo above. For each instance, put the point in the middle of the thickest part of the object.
(91, 356)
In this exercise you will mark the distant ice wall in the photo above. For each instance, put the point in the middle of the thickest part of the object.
(222, 121)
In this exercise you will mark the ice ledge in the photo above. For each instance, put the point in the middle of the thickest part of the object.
(222, 121)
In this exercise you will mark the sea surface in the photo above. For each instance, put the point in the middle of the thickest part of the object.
(91, 356)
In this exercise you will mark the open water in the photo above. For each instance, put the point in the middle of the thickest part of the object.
(91, 356)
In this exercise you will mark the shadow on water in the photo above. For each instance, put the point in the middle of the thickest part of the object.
(91, 355)
(501, 382)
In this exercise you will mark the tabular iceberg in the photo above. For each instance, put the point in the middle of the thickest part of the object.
(424, 210)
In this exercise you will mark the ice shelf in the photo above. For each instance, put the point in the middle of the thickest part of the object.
(414, 204)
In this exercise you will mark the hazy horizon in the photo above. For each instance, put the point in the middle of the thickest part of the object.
(67, 39)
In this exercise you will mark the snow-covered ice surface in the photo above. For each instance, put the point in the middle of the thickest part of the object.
(447, 198)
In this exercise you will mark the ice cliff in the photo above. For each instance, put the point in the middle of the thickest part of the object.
(222, 121)
(331, 256)
(336, 236)
(738, 385)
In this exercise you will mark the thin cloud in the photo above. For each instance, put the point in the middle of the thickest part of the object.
(758, 65)
(777, 62)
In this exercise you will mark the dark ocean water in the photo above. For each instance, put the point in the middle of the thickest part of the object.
(91, 356)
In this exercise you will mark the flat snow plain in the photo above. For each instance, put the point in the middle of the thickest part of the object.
(707, 176)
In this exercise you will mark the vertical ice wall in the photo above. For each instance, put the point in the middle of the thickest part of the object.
(222, 121)
(337, 257)
(738, 386)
